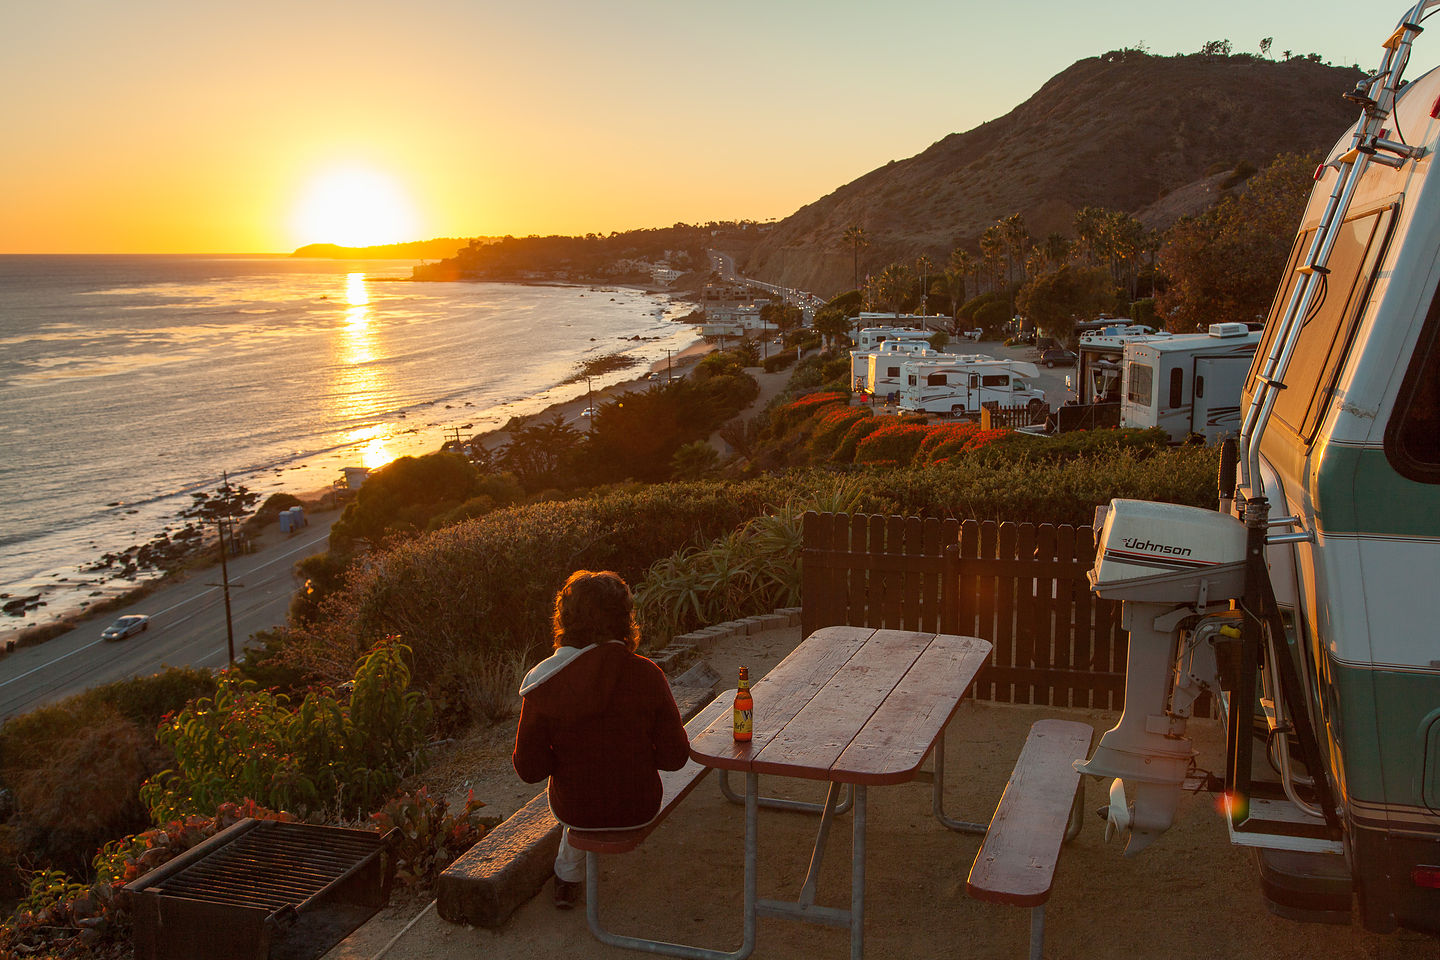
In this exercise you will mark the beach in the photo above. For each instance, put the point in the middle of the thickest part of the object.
(130, 384)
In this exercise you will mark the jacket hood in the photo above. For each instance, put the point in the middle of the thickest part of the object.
(576, 682)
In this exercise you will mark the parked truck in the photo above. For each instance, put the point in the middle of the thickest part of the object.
(1306, 605)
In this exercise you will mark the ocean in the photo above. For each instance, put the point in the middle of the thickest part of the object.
(128, 383)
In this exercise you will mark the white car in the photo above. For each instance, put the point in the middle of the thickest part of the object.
(588, 412)
(125, 626)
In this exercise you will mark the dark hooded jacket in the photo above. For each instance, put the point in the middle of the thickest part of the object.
(599, 722)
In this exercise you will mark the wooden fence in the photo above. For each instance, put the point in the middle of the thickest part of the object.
(993, 416)
(1020, 586)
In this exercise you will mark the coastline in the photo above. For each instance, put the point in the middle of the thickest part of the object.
(107, 592)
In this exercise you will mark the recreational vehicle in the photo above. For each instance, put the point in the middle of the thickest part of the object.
(1306, 605)
(1098, 365)
(1188, 384)
(959, 385)
(884, 374)
(870, 339)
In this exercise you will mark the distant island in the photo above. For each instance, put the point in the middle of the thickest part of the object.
(439, 248)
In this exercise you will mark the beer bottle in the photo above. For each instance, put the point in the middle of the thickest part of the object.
(744, 708)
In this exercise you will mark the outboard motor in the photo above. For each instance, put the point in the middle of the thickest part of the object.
(1175, 568)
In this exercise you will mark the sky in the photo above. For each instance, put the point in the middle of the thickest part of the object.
(216, 126)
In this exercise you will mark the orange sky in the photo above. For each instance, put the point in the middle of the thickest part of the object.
(165, 126)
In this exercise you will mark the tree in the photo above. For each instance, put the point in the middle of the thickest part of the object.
(1054, 301)
(694, 461)
(1225, 264)
(894, 286)
(939, 341)
(536, 451)
(831, 323)
(1265, 43)
(856, 236)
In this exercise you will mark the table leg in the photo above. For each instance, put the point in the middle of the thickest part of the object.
(857, 879)
(812, 876)
(938, 794)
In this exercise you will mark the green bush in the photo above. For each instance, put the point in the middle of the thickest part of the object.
(324, 756)
(402, 497)
(780, 360)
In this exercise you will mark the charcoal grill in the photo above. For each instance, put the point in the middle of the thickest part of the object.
(262, 890)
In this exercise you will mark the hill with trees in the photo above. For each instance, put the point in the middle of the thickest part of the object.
(1153, 137)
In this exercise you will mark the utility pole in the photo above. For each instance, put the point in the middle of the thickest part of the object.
(228, 503)
(225, 588)
(590, 392)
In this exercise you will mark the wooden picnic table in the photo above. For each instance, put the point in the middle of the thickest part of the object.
(850, 705)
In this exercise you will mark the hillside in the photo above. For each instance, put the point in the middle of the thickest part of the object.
(1127, 131)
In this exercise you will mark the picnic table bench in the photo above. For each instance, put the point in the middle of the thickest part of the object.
(1042, 799)
(676, 785)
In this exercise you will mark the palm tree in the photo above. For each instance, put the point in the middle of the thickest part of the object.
(1016, 239)
(856, 236)
(894, 285)
(992, 253)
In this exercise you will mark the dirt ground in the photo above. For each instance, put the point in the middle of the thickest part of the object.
(1190, 895)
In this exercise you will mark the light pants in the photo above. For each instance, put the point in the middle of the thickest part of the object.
(569, 862)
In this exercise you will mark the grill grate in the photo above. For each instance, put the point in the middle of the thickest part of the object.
(232, 895)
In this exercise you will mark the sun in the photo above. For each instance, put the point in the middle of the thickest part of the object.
(354, 207)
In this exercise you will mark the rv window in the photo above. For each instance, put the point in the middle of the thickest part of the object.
(995, 380)
(1177, 388)
(1199, 386)
(1139, 389)
(910, 379)
(1329, 323)
(892, 371)
(936, 380)
(1412, 437)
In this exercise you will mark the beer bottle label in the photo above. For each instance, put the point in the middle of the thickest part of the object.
(744, 722)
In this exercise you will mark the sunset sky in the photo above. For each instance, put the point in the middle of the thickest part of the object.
(162, 126)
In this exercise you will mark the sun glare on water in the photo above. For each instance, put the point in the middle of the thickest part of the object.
(354, 208)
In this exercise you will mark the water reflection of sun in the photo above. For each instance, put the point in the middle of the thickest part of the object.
(359, 380)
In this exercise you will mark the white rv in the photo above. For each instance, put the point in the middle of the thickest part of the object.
(884, 374)
(870, 339)
(1099, 360)
(1306, 605)
(1188, 384)
(959, 385)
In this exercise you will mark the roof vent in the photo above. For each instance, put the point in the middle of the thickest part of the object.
(1228, 329)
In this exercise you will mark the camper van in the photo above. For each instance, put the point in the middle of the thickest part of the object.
(959, 385)
(1099, 360)
(1306, 605)
(1188, 384)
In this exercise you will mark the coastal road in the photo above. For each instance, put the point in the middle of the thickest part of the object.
(187, 627)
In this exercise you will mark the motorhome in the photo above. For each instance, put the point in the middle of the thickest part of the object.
(870, 339)
(1188, 384)
(884, 375)
(1098, 366)
(959, 385)
(1306, 604)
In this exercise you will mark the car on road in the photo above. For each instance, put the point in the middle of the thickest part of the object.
(588, 412)
(125, 626)
(1057, 357)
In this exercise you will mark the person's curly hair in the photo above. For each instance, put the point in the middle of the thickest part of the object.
(595, 607)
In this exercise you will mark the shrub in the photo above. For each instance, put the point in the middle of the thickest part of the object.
(895, 442)
(457, 591)
(803, 408)
(780, 360)
(832, 427)
(430, 838)
(403, 496)
(323, 756)
(859, 430)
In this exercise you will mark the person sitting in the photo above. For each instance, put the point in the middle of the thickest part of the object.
(598, 719)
